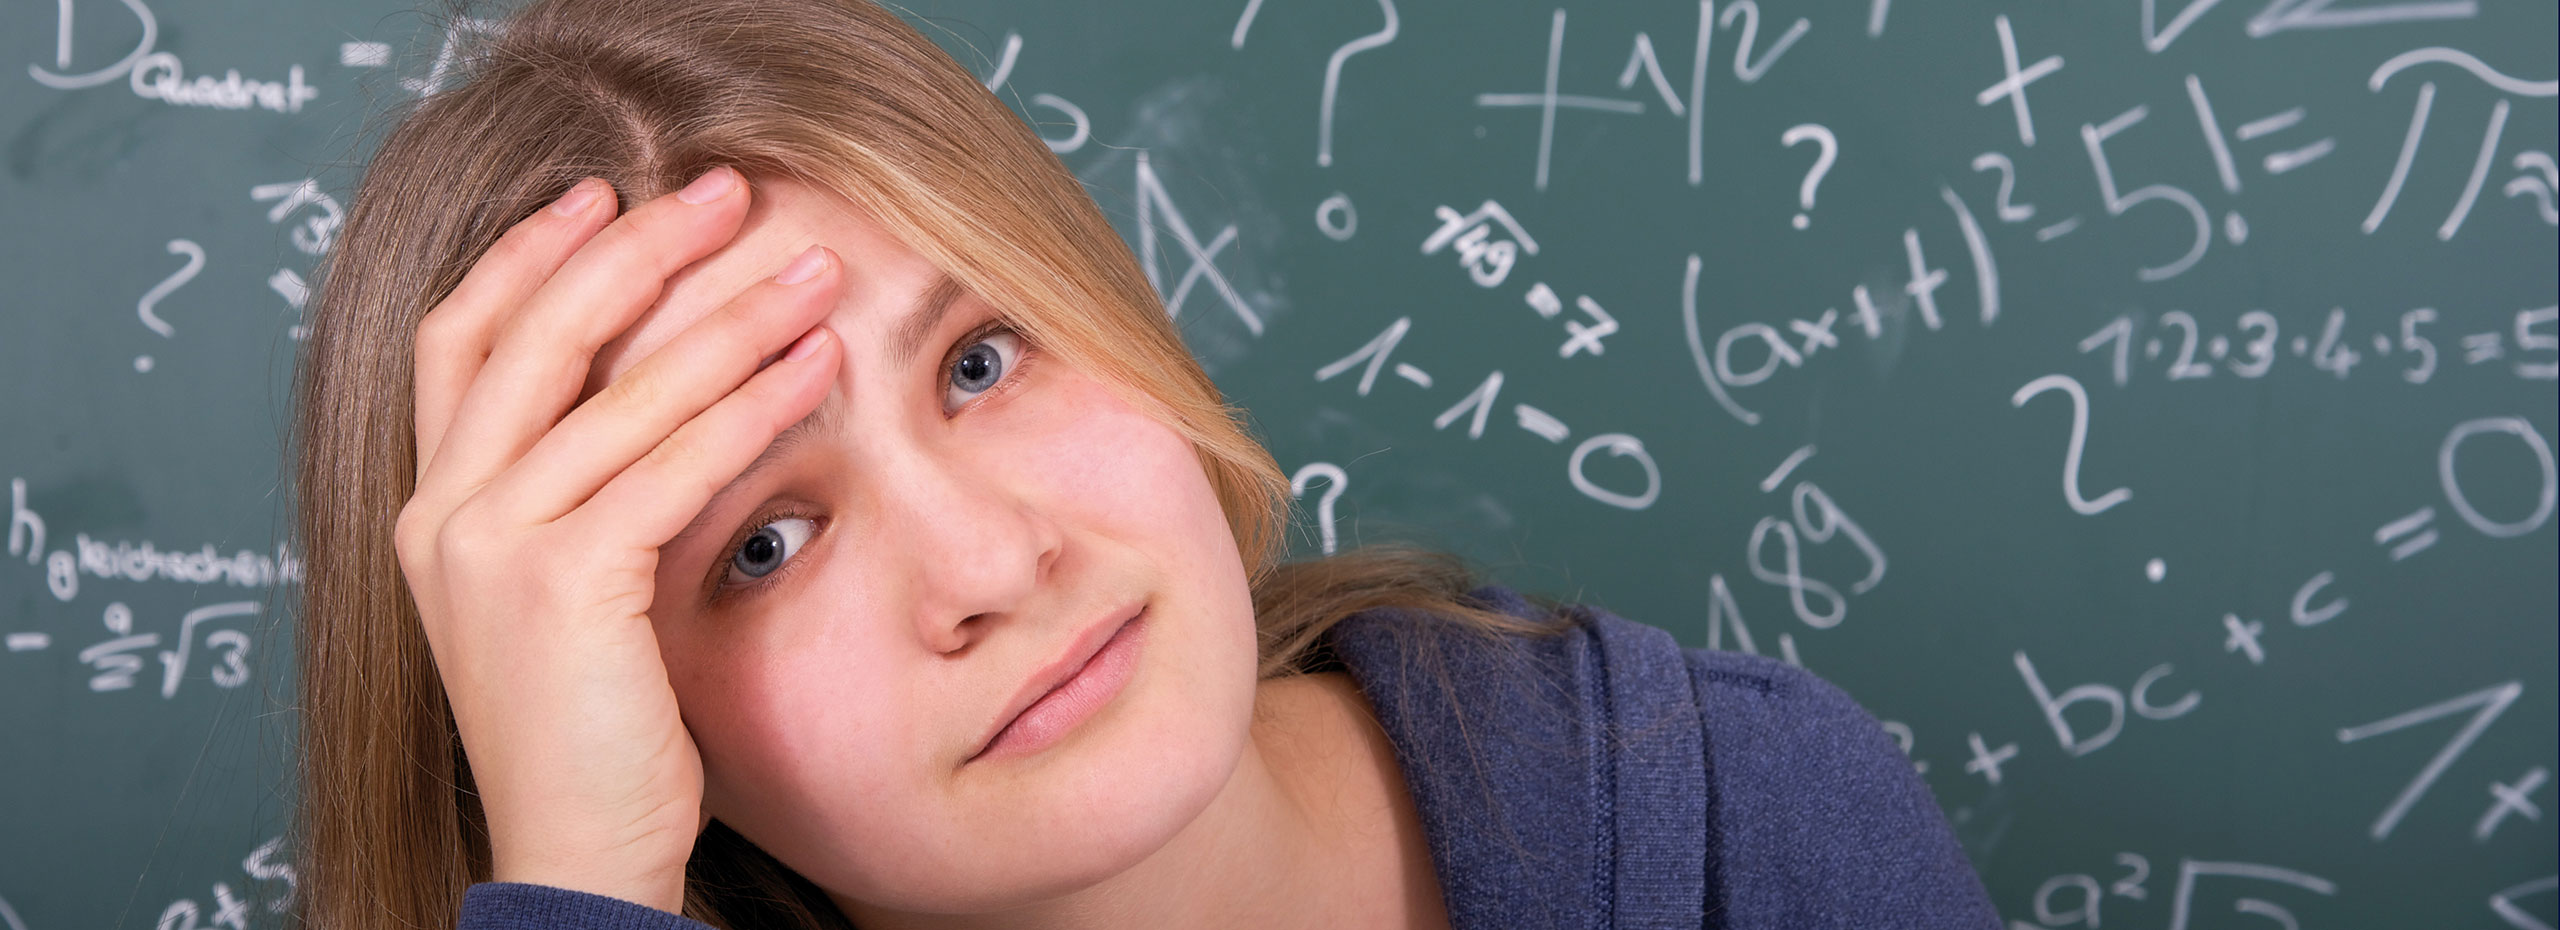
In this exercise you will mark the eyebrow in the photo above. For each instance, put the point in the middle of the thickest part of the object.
(910, 334)
(905, 341)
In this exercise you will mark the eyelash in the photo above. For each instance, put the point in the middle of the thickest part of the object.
(722, 593)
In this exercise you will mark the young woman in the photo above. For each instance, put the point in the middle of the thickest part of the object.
(744, 477)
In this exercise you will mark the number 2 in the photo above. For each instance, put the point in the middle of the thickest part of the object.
(2009, 212)
(2079, 438)
(2130, 886)
(2185, 366)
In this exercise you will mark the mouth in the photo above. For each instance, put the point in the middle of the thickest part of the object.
(1062, 694)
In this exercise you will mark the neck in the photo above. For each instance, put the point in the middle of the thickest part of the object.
(1315, 828)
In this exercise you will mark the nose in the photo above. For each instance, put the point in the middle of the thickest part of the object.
(977, 546)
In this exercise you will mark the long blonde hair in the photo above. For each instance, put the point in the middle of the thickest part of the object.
(838, 94)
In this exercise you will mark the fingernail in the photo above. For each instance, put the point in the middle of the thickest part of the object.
(802, 268)
(712, 185)
(807, 344)
(578, 199)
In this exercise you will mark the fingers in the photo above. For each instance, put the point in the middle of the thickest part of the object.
(540, 356)
(642, 406)
(659, 495)
(454, 338)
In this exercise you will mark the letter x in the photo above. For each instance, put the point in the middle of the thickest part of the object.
(1817, 334)
(2244, 638)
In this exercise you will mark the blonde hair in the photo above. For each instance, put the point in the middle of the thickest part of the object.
(837, 94)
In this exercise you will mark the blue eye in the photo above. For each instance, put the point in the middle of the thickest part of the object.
(980, 367)
(771, 545)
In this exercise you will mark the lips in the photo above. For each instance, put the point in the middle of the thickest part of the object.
(1059, 671)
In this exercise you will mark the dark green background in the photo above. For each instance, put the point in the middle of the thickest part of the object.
(115, 805)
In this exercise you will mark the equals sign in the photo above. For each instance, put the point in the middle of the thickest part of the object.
(2390, 534)
(2481, 347)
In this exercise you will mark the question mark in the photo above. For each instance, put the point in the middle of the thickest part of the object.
(195, 263)
(1821, 164)
(1333, 81)
(1335, 480)
(1332, 70)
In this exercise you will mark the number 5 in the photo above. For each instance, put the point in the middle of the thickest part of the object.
(2095, 137)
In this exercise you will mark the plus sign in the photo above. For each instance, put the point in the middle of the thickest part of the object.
(1548, 101)
(2014, 86)
(2516, 798)
(1987, 760)
(2244, 638)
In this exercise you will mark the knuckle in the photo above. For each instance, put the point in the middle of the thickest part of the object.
(682, 455)
(764, 398)
(436, 329)
(733, 333)
(642, 236)
(412, 534)
(463, 549)
(514, 250)
(641, 388)
(515, 259)
(460, 539)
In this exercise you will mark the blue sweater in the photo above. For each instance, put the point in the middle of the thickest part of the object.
(1604, 778)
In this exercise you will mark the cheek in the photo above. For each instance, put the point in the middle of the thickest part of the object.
(775, 707)
(1134, 488)
(1130, 477)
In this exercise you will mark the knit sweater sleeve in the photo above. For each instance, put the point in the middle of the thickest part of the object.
(1820, 821)
(521, 906)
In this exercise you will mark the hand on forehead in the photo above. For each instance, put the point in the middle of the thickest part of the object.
(784, 218)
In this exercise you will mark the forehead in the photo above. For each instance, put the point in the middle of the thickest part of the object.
(783, 218)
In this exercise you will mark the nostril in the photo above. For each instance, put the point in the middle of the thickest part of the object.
(964, 633)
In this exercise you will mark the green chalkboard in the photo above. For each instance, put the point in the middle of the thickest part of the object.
(2146, 408)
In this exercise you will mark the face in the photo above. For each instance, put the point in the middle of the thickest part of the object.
(846, 625)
